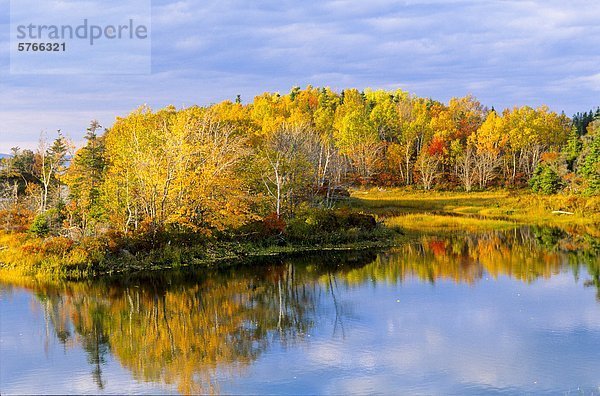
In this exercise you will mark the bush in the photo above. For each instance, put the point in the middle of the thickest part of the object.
(361, 221)
(330, 226)
(16, 219)
(546, 180)
(40, 226)
(269, 227)
(58, 246)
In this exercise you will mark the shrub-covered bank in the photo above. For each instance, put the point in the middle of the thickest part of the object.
(315, 230)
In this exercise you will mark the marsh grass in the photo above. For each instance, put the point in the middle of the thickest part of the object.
(449, 211)
(23, 255)
(436, 224)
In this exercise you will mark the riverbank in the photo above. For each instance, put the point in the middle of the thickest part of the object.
(57, 257)
(402, 215)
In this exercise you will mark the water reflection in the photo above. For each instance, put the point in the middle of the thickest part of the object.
(179, 327)
(192, 329)
(525, 254)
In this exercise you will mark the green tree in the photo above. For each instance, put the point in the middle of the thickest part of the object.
(545, 180)
(589, 159)
(84, 179)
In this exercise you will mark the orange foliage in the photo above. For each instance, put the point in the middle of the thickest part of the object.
(16, 219)
(436, 147)
(56, 246)
(274, 223)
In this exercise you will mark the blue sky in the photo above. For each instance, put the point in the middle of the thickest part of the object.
(504, 52)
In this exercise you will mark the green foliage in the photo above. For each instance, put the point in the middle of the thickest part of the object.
(40, 226)
(319, 226)
(582, 120)
(49, 222)
(572, 149)
(546, 180)
(589, 160)
(84, 179)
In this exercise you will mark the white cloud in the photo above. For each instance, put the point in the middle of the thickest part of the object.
(504, 52)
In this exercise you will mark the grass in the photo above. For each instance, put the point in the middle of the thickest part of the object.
(434, 211)
(435, 224)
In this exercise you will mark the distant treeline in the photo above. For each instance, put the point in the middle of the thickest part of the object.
(203, 170)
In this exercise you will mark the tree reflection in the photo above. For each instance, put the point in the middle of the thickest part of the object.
(91, 319)
(191, 329)
(524, 254)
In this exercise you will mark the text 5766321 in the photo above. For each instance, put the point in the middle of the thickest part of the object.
(42, 47)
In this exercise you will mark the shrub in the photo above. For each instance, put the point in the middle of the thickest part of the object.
(264, 229)
(16, 219)
(274, 224)
(329, 226)
(362, 221)
(40, 226)
(58, 246)
(546, 180)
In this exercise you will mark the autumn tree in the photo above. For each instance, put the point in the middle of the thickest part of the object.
(530, 133)
(356, 136)
(488, 141)
(16, 173)
(175, 169)
(49, 165)
(289, 162)
(466, 162)
(415, 130)
(429, 161)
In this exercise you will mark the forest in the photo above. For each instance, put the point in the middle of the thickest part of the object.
(276, 168)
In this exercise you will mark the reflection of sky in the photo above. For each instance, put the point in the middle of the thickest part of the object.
(31, 363)
(496, 335)
(500, 335)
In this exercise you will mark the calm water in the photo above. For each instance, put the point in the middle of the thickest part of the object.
(497, 313)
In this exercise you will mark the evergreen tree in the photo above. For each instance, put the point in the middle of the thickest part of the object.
(572, 149)
(589, 159)
(546, 180)
(84, 178)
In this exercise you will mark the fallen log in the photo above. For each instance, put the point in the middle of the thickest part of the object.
(562, 212)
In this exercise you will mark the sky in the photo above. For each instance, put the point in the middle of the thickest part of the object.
(504, 52)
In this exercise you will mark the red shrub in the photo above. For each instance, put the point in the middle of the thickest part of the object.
(57, 246)
(274, 224)
(16, 219)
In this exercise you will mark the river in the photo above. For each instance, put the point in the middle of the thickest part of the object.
(498, 313)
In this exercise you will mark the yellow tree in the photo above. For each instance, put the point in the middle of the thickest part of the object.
(269, 111)
(488, 142)
(173, 168)
(531, 132)
(356, 136)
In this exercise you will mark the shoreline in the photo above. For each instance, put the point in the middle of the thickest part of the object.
(139, 264)
(402, 216)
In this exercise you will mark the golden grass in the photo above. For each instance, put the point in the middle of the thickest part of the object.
(433, 210)
(431, 223)
(23, 255)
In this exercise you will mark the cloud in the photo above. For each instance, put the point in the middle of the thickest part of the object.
(504, 52)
